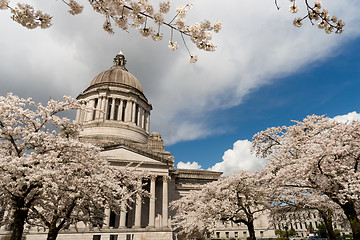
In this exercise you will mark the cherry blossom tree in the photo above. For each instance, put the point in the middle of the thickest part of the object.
(288, 210)
(150, 20)
(48, 177)
(318, 157)
(239, 198)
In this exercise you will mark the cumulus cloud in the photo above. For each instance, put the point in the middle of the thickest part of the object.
(239, 158)
(352, 116)
(257, 44)
(188, 165)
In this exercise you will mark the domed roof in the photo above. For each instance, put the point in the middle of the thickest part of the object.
(117, 74)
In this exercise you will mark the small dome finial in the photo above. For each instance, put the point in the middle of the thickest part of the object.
(119, 60)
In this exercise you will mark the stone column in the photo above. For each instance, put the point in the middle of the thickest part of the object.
(112, 109)
(104, 108)
(152, 202)
(122, 219)
(120, 110)
(139, 116)
(107, 218)
(128, 111)
(147, 122)
(89, 113)
(137, 223)
(142, 118)
(133, 112)
(165, 202)
(78, 113)
(99, 108)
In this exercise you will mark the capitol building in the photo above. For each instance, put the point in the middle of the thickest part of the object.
(120, 123)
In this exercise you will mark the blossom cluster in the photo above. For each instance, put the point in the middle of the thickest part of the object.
(25, 15)
(141, 15)
(318, 13)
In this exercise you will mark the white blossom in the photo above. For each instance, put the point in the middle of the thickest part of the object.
(76, 8)
(4, 4)
(193, 59)
(164, 7)
(173, 45)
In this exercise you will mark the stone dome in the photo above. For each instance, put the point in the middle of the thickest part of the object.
(117, 74)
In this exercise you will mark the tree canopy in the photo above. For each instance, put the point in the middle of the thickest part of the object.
(318, 158)
(48, 177)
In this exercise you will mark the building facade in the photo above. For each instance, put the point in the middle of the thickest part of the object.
(119, 122)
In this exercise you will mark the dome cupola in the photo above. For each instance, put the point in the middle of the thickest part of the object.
(116, 107)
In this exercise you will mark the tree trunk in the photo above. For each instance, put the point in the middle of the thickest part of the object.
(53, 233)
(350, 212)
(326, 215)
(19, 217)
(250, 226)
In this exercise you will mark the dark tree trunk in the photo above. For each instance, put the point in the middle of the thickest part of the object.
(19, 218)
(326, 215)
(250, 226)
(350, 212)
(53, 233)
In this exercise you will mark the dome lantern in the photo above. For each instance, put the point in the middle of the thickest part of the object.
(120, 61)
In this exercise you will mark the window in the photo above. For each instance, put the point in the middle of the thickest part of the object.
(136, 114)
(227, 234)
(96, 237)
(108, 114)
(112, 219)
(244, 233)
(217, 234)
(236, 234)
(129, 236)
(262, 234)
(95, 106)
(300, 225)
(113, 237)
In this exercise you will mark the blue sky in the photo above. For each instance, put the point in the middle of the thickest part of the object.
(265, 72)
(330, 87)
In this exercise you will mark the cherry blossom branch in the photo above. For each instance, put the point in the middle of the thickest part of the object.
(329, 24)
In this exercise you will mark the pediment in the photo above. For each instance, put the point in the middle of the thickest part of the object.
(122, 154)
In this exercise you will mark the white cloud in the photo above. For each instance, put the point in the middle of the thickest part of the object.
(239, 158)
(348, 117)
(257, 44)
(188, 165)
